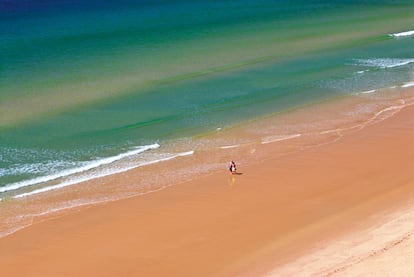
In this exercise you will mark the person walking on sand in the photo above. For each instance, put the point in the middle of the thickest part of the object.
(232, 167)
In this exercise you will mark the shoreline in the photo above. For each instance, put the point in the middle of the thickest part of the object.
(95, 169)
(274, 214)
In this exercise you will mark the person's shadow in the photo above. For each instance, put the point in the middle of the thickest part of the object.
(237, 173)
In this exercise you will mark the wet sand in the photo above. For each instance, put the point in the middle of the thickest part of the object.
(342, 209)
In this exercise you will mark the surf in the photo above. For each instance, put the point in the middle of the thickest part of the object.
(383, 63)
(86, 167)
(402, 34)
(102, 174)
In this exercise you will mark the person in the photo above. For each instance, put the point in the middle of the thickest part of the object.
(232, 167)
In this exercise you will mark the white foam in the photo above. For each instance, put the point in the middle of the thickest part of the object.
(230, 146)
(102, 174)
(408, 85)
(279, 138)
(384, 62)
(403, 34)
(368, 91)
(86, 167)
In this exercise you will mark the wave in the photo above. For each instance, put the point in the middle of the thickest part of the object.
(403, 34)
(406, 85)
(384, 63)
(39, 168)
(85, 167)
(102, 174)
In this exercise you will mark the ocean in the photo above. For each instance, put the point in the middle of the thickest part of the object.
(89, 89)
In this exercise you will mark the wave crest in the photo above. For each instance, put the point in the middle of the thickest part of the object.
(87, 166)
(402, 34)
(383, 63)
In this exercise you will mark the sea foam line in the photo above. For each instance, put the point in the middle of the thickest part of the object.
(403, 34)
(368, 91)
(280, 138)
(408, 85)
(88, 166)
(365, 92)
(230, 146)
(103, 174)
(384, 62)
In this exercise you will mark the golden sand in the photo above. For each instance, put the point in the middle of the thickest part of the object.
(339, 209)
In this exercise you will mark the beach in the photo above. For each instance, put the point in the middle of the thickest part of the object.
(118, 121)
(342, 208)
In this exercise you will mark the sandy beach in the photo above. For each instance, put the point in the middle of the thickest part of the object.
(118, 120)
(340, 209)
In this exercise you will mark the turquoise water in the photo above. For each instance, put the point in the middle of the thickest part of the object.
(83, 85)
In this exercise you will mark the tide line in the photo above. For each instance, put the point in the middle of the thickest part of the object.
(392, 109)
(280, 138)
(232, 146)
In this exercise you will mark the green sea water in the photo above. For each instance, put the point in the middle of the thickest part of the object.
(85, 84)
